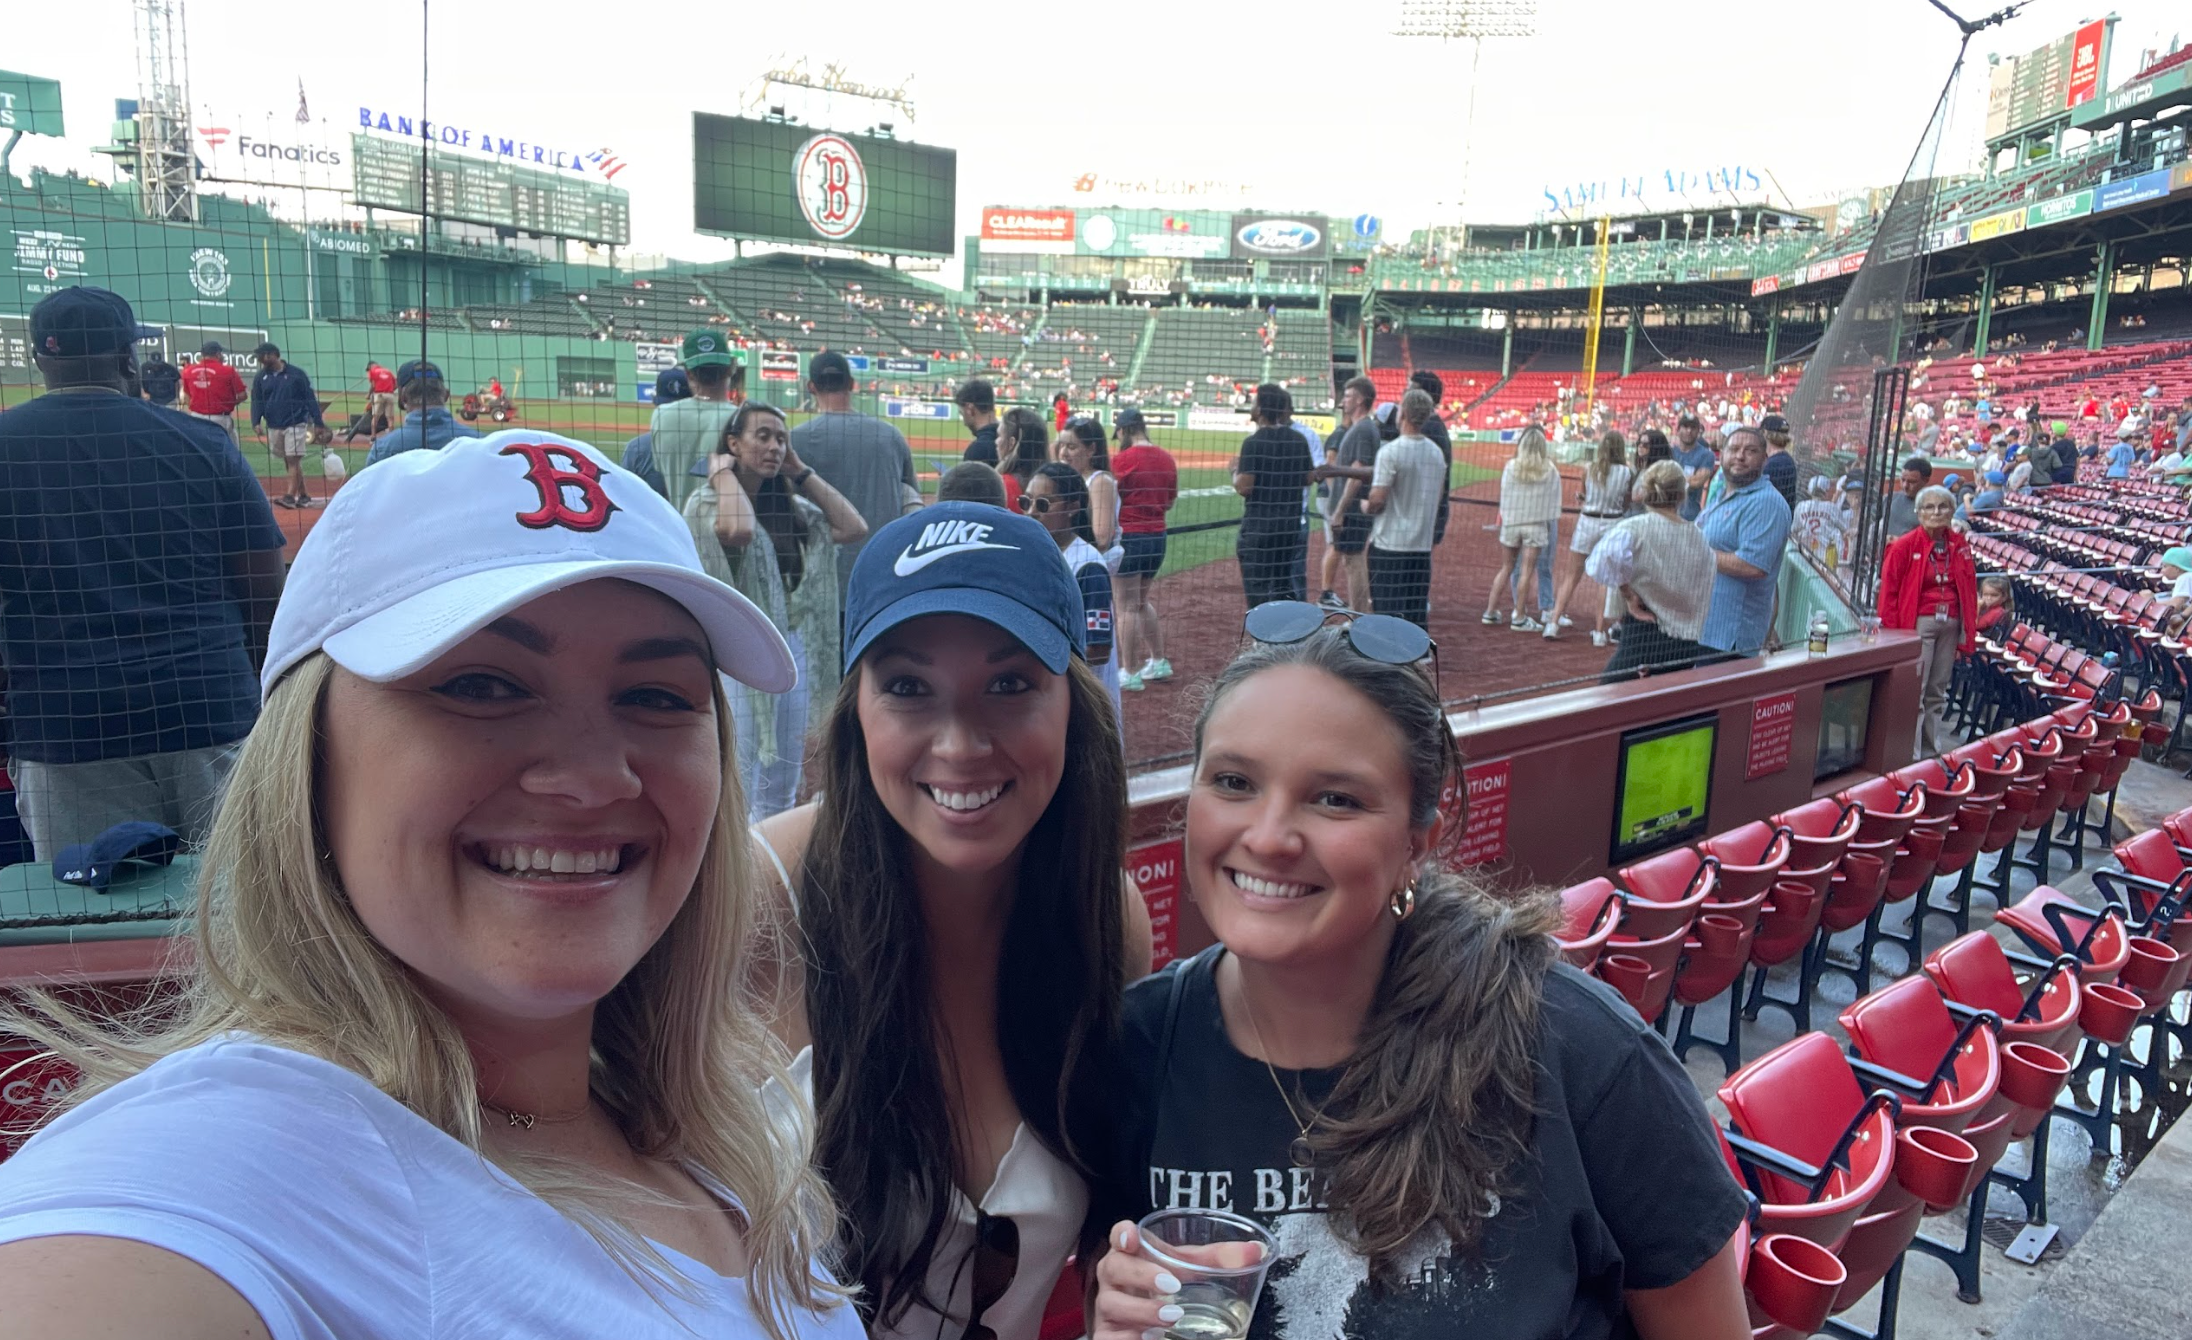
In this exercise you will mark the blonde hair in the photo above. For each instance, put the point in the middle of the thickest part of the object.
(679, 1054)
(1532, 461)
(1662, 485)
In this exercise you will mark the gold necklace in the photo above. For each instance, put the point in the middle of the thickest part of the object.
(525, 1121)
(1298, 1151)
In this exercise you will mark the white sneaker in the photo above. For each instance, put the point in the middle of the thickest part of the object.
(1566, 622)
(1492, 619)
(1157, 669)
(1551, 633)
(1598, 637)
(1523, 623)
(1130, 683)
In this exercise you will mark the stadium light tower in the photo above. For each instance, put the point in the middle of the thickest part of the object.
(165, 164)
(1475, 22)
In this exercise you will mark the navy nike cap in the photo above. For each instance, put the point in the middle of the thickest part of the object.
(967, 558)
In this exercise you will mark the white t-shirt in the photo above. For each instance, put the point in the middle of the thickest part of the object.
(1412, 469)
(2181, 589)
(335, 1211)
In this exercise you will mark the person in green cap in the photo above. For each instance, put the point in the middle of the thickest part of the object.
(688, 430)
(2175, 566)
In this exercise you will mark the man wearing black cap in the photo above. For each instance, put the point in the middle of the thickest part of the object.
(1780, 466)
(1697, 461)
(213, 389)
(977, 401)
(283, 400)
(671, 386)
(427, 423)
(863, 458)
(126, 701)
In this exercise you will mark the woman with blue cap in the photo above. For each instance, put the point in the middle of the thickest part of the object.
(460, 1049)
(958, 930)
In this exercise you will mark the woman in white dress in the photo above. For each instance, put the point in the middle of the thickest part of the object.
(956, 928)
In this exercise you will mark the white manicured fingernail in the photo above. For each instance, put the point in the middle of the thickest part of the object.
(1170, 1313)
(1166, 1284)
(1120, 1241)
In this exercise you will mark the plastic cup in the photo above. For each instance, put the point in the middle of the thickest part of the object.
(1220, 1260)
(1868, 628)
(1794, 1281)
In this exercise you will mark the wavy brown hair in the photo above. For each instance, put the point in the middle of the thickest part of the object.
(884, 1136)
(1433, 1114)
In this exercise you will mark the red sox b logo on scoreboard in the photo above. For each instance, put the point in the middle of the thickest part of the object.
(833, 186)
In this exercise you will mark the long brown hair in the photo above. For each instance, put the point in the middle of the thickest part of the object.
(774, 509)
(884, 1122)
(1030, 443)
(1431, 1118)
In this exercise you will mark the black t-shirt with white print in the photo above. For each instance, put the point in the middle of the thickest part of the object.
(1626, 1187)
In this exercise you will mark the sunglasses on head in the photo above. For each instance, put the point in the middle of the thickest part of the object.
(1380, 637)
(996, 1263)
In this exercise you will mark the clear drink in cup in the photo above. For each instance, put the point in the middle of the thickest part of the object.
(1220, 1260)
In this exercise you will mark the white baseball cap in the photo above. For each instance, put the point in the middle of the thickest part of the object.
(425, 548)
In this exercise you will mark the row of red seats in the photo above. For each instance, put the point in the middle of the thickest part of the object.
(1959, 1061)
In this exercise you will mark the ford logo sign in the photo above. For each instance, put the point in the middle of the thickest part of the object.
(1288, 236)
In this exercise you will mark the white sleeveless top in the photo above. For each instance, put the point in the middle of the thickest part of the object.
(1031, 1186)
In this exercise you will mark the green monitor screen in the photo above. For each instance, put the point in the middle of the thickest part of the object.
(1664, 786)
(775, 181)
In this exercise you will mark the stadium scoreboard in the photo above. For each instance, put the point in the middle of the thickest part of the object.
(385, 175)
(2048, 82)
(774, 181)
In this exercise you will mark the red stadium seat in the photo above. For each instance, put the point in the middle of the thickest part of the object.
(1589, 913)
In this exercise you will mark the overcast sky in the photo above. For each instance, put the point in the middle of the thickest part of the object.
(1305, 111)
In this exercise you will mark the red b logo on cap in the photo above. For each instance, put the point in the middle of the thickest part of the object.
(576, 472)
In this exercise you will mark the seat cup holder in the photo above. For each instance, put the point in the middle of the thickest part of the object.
(2150, 970)
(1719, 934)
(1790, 908)
(1936, 1166)
(2109, 1013)
(1627, 974)
(1794, 1281)
(2032, 1075)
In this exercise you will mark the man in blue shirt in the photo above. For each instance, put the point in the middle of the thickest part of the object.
(1697, 461)
(139, 569)
(1748, 529)
(2120, 457)
(283, 400)
(427, 423)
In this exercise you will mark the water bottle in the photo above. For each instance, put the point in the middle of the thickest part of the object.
(1817, 643)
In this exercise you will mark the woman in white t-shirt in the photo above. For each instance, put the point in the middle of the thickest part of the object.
(460, 1051)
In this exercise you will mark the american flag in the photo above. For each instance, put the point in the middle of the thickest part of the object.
(304, 114)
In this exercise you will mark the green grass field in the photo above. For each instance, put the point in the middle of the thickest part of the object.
(1205, 487)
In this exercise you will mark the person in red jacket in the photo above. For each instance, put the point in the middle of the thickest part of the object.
(1929, 583)
(381, 410)
(213, 389)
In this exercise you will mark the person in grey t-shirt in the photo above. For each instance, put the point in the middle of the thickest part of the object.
(863, 458)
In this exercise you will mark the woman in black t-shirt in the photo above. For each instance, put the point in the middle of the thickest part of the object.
(1447, 1131)
(1270, 475)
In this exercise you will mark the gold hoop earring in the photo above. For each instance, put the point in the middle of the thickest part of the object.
(1403, 904)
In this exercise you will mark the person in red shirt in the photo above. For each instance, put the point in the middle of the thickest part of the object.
(1061, 410)
(213, 389)
(1929, 584)
(1149, 483)
(381, 413)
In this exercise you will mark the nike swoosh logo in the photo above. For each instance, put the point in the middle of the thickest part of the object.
(907, 564)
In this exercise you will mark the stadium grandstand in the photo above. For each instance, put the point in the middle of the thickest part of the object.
(1830, 851)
